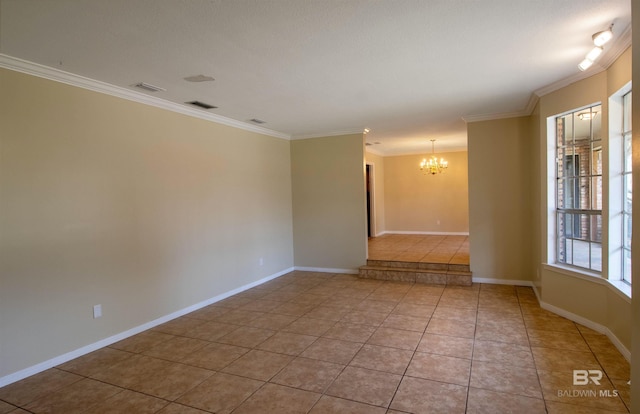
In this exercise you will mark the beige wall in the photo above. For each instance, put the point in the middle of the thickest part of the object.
(500, 199)
(377, 190)
(329, 209)
(591, 298)
(415, 202)
(144, 211)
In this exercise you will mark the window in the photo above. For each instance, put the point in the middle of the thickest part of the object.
(626, 188)
(579, 189)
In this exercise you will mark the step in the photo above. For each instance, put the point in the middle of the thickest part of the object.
(455, 267)
(413, 275)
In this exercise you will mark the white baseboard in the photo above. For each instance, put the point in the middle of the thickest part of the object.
(589, 324)
(426, 233)
(326, 270)
(35, 369)
(502, 281)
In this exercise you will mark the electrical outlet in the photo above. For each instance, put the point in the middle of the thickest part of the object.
(97, 311)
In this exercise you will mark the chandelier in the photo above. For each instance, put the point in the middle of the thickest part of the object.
(433, 166)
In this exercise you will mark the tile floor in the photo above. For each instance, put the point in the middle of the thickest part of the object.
(332, 343)
(420, 248)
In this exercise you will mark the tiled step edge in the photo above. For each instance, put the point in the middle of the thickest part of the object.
(432, 277)
(419, 265)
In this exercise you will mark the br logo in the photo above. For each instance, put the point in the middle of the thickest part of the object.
(584, 376)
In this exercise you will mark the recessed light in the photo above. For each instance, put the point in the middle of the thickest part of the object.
(199, 78)
(257, 121)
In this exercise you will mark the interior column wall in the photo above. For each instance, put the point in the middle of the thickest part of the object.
(329, 202)
(500, 199)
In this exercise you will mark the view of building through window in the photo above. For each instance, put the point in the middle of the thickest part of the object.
(579, 188)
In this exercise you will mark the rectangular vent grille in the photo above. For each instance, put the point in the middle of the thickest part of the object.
(202, 105)
(149, 87)
(257, 121)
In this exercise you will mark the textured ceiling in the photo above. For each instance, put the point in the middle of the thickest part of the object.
(409, 70)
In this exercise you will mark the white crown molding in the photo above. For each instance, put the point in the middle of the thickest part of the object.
(329, 134)
(41, 71)
(623, 43)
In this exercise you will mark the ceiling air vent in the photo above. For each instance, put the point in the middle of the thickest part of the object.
(257, 121)
(148, 87)
(201, 105)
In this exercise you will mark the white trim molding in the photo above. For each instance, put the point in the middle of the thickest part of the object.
(35, 369)
(57, 75)
(589, 324)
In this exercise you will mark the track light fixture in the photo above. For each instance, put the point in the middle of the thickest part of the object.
(599, 39)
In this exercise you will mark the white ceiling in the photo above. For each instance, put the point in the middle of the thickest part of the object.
(409, 70)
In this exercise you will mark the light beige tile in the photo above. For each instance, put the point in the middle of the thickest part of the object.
(221, 393)
(211, 330)
(448, 327)
(171, 381)
(446, 345)
(364, 318)
(571, 341)
(287, 343)
(440, 368)
(332, 405)
(176, 348)
(513, 354)
(174, 408)
(551, 359)
(505, 378)
(467, 315)
(309, 326)
(417, 395)
(381, 358)
(308, 374)
(406, 322)
(37, 386)
(247, 336)
(395, 338)
(215, 356)
(129, 402)
(490, 402)
(273, 398)
(350, 332)
(94, 362)
(272, 321)
(259, 365)
(332, 350)
(77, 397)
(366, 386)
